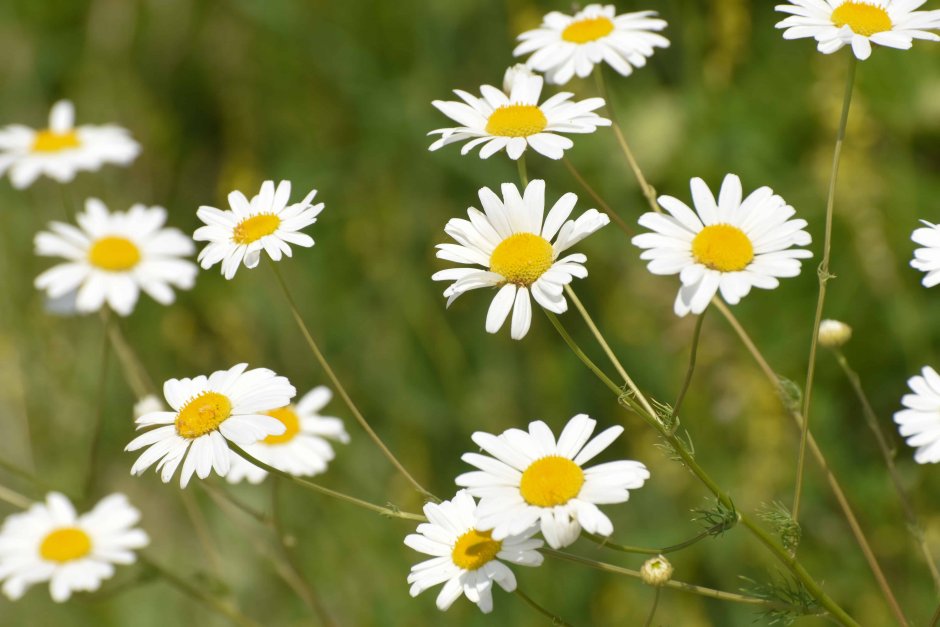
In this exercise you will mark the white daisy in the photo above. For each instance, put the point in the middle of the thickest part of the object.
(50, 542)
(859, 23)
(466, 559)
(565, 45)
(63, 149)
(728, 246)
(111, 257)
(927, 259)
(920, 422)
(514, 120)
(510, 239)
(303, 449)
(266, 223)
(534, 480)
(208, 411)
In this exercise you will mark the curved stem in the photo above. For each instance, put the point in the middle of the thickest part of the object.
(649, 618)
(99, 409)
(342, 390)
(597, 198)
(640, 550)
(691, 369)
(556, 620)
(824, 277)
(133, 369)
(523, 172)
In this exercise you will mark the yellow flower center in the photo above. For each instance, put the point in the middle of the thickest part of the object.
(203, 414)
(50, 141)
(254, 228)
(590, 29)
(516, 120)
(291, 422)
(114, 254)
(863, 18)
(551, 481)
(474, 549)
(522, 258)
(65, 544)
(723, 247)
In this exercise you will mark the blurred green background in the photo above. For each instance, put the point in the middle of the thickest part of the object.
(336, 96)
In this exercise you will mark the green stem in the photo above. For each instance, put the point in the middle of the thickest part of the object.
(691, 368)
(640, 550)
(131, 366)
(649, 619)
(824, 277)
(99, 409)
(523, 172)
(597, 198)
(556, 620)
(14, 498)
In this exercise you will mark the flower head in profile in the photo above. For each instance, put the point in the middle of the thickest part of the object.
(927, 259)
(859, 23)
(532, 479)
(207, 412)
(62, 149)
(727, 246)
(512, 242)
(111, 257)
(303, 449)
(466, 559)
(51, 542)
(565, 45)
(919, 422)
(513, 120)
(265, 223)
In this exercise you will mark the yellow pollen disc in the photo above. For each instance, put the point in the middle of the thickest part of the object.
(203, 414)
(516, 120)
(289, 419)
(254, 228)
(591, 29)
(551, 481)
(50, 141)
(474, 549)
(863, 18)
(522, 258)
(65, 544)
(723, 247)
(114, 254)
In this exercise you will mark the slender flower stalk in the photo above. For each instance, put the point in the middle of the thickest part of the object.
(616, 219)
(556, 620)
(131, 366)
(691, 369)
(342, 391)
(640, 550)
(523, 171)
(652, 614)
(92, 470)
(14, 498)
(824, 277)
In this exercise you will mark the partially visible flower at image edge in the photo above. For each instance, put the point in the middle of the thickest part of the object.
(919, 422)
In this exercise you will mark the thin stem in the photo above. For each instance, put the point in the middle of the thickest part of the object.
(342, 390)
(201, 526)
(14, 498)
(640, 550)
(556, 620)
(935, 619)
(824, 276)
(99, 409)
(597, 198)
(133, 369)
(385, 511)
(649, 619)
(523, 172)
(914, 526)
(691, 369)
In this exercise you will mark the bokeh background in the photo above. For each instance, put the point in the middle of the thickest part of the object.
(336, 96)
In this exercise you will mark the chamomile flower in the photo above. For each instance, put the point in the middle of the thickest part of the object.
(111, 257)
(565, 45)
(859, 23)
(303, 449)
(919, 422)
(514, 120)
(466, 559)
(532, 479)
(51, 542)
(514, 246)
(265, 223)
(206, 413)
(927, 259)
(728, 246)
(63, 149)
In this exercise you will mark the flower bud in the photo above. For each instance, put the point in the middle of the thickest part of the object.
(834, 334)
(656, 571)
(513, 74)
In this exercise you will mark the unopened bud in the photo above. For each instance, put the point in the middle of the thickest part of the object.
(514, 73)
(656, 571)
(834, 334)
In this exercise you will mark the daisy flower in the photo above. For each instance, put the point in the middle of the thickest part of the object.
(514, 120)
(728, 246)
(111, 257)
(920, 421)
(51, 542)
(62, 150)
(206, 412)
(532, 479)
(510, 239)
(303, 449)
(466, 559)
(265, 223)
(927, 259)
(859, 23)
(565, 45)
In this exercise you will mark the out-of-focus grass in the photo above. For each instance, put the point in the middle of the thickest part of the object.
(336, 95)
